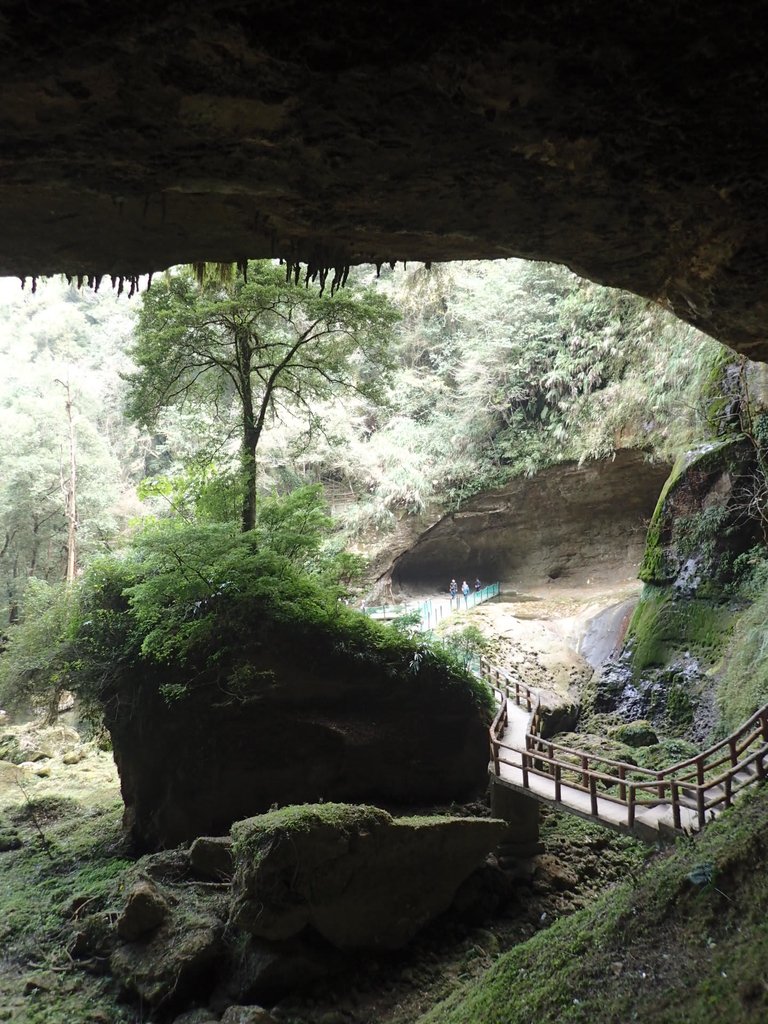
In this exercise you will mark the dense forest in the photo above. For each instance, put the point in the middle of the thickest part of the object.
(472, 373)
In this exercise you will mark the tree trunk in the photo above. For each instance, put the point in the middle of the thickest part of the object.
(250, 437)
(70, 492)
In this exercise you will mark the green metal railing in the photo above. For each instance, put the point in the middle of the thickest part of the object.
(433, 611)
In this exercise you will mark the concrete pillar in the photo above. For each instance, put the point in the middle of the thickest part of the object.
(522, 813)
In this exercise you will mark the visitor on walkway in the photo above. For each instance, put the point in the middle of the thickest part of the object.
(465, 591)
(454, 589)
(478, 587)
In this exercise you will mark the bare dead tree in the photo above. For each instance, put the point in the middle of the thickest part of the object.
(69, 489)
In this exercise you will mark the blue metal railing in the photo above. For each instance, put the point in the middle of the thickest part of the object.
(432, 611)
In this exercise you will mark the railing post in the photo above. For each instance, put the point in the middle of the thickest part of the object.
(584, 770)
(622, 787)
(760, 767)
(495, 752)
(524, 755)
(631, 807)
(764, 724)
(558, 784)
(728, 790)
(662, 786)
(675, 805)
(551, 754)
(700, 806)
(700, 772)
(732, 748)
(593, 794)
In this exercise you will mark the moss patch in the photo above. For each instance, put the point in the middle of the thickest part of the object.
(66, 863)
(252, 834)
(663, 625)
(743, 686)
(635, 734)
(654, 568)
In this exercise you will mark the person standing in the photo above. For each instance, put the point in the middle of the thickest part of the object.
(465, 591)
(454, 590)
(478, 586)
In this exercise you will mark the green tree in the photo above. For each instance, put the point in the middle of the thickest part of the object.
(60, 335)
(264, 345)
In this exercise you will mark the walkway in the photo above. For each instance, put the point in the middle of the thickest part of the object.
(434, 609)
(649, 804)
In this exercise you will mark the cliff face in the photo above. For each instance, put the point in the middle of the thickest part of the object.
(623, 140)
(568, 522)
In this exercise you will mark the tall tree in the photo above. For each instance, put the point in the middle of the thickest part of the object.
(69, 487)
(264, 344)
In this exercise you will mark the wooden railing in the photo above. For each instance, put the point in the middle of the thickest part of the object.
(706, 782)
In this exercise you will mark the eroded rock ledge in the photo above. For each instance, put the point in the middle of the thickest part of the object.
(568, 522)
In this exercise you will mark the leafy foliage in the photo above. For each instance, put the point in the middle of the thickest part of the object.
(55, 337)
(251, 349)
(504, 368)
(38, 664)
(191, 604)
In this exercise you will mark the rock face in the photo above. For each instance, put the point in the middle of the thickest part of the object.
(704, 520)
(569, 521)
(354, 875)
(624, 141)
(312, 731)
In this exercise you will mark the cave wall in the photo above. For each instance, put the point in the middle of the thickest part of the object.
(570, 523)
(625, 140)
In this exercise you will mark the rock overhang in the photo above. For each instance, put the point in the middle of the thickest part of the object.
(623, 140)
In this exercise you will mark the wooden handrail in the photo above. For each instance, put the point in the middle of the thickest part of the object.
(685, 788)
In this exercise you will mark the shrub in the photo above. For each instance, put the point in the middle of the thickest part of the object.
(37, 664)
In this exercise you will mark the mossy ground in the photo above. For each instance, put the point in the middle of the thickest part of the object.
(660, 949)
(63, 858)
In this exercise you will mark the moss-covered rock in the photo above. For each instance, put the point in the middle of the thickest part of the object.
(699, 527)
(354, 874)
(635, 734)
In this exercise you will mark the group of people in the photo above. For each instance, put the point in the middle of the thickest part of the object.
(465, 590)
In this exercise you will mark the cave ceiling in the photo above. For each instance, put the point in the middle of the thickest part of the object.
(625, 140)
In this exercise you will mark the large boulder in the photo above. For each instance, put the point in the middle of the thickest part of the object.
(355, 875)
(317, 724)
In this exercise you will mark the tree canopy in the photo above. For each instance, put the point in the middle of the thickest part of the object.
(261, 345)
